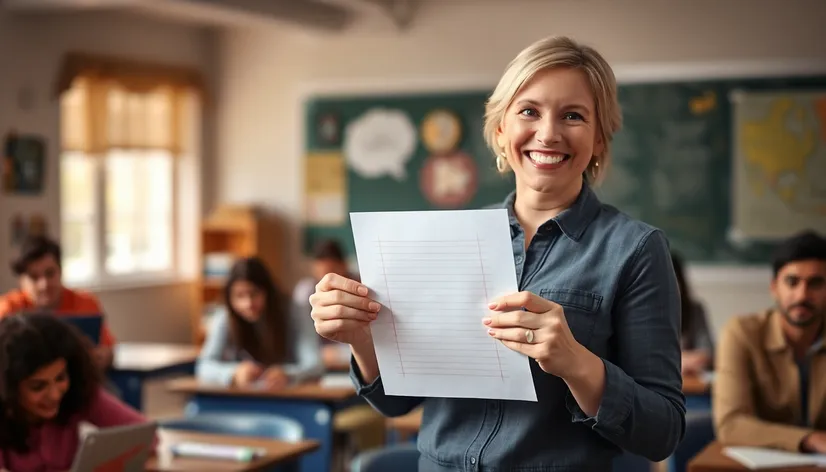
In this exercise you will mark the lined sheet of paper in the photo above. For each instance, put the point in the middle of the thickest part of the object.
(434, 273)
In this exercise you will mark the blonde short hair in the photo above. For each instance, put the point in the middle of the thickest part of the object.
(553, 52)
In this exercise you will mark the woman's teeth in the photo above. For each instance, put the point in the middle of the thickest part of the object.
(542, 158)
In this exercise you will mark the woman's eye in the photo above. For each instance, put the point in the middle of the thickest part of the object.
(529, 112)
(572, 115)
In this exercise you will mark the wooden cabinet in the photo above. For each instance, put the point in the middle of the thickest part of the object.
(232, 232)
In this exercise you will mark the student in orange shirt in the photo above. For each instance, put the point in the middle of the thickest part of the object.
(41, 288)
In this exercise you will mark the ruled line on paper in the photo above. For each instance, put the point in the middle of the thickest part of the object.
(434, 273)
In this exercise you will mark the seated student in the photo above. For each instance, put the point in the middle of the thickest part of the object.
(261, 337)
(49, 385)
(770, 382)
(695, 336)
(41, 288)
(328, 258)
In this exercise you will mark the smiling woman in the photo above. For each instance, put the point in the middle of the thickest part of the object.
(598, 312)
(48, 385)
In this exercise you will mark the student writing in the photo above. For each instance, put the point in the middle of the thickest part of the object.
(262, 336)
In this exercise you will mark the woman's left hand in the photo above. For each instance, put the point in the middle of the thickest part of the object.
(274, 378)
(540, 331)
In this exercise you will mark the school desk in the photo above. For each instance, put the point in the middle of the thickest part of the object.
(712, 459)
(697, 390)
(135, 363)
(310, 404)
(280, 456)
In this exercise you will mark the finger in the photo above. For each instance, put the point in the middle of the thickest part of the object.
(527, 300)
(333, 281)
(529, 350)
(340, 297)
(517, 335)
(513, 319)
(341, 312)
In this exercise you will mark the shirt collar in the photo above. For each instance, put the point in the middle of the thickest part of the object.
(573, 221)
(775, 340)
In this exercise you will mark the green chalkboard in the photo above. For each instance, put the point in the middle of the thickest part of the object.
(672, 163)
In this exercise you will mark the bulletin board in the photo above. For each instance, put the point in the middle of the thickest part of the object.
(673, 160)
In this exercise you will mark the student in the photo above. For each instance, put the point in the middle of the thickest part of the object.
(695, 337)
(770, 380)
(49, 386)
(260, 337)
(328, 258)
(38, 271)
(603, 342)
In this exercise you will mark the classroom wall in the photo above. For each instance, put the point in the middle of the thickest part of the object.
(31, 47)
(460, 43)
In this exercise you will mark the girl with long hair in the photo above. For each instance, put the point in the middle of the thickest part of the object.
(262, 337)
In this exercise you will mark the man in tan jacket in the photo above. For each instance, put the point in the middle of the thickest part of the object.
(770, 382)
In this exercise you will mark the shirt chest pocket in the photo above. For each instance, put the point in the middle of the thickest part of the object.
(581, 310)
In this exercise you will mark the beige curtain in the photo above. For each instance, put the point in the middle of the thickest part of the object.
(107, 103)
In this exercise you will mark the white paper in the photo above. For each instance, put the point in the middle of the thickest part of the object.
(762, 458)
(434, 273)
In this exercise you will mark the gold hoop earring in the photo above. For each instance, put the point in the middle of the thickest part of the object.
(501, 162)
(594, 169)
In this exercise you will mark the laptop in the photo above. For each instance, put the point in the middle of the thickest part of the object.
(116, 449)
(89, 325)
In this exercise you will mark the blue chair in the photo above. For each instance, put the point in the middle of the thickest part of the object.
(239, 424)
(397, 458)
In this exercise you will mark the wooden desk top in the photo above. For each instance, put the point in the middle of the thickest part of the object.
(305, 391)
(407, 424)
(146, 357)
(695, 385)
(712, 459)
(278, 452)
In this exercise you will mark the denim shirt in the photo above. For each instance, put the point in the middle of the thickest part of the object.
(614, 279)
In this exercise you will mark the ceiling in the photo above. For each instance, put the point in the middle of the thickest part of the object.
(329, 15)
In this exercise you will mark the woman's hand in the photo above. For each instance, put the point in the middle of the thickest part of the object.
(540, 331)
(246, 373)
(274, 378)
(695, 362)
(341, 310)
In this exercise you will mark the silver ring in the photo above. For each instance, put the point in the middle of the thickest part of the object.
(529, 336)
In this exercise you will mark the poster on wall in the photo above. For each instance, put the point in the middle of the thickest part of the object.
(325, 189)
(449, 181)
(24, 164)
(441, 131)
(380, 143)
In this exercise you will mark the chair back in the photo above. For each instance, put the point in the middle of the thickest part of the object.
(397, 458)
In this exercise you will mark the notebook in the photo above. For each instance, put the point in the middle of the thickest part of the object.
(756, 458)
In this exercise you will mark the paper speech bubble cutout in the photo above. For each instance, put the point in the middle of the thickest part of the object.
(380, 142)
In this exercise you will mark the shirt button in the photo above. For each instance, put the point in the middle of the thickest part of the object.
(473, 460)
(518, 259)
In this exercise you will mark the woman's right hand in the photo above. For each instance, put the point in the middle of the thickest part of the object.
(342, 311)
(246, 374)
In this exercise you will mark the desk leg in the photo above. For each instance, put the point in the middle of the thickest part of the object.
(130, 387)
(315, 417)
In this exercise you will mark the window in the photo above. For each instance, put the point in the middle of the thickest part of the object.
(122, 153)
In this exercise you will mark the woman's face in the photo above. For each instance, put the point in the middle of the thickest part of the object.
(549, 132)
(247, 300)
(41, 393)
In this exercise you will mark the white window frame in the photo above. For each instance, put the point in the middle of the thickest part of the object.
(186, 216)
